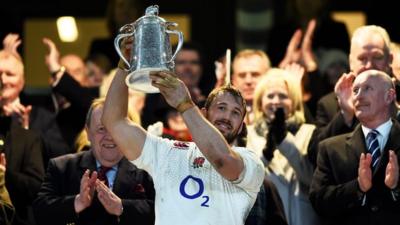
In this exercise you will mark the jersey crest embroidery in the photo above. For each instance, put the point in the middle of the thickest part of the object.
(198, 162)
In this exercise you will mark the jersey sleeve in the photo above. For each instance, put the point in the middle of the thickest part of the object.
(253, 173)
(154, 151)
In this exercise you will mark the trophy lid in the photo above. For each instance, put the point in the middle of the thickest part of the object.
(152, 10)
(151, 14)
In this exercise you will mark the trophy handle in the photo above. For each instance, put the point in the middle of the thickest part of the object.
(180, 39)
(131, 31)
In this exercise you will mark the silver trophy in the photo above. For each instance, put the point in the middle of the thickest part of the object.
(151, 48)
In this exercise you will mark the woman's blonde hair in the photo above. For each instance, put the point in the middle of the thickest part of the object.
(294, 92)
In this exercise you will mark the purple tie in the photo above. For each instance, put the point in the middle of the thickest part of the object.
(102, 174)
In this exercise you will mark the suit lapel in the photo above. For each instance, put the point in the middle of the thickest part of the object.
(125, 173)
(356, 143)
(391, 144)
(88, 161)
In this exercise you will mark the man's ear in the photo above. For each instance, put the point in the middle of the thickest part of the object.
(390, 96)
(204, 112)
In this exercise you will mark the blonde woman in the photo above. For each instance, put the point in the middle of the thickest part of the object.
(281, 138)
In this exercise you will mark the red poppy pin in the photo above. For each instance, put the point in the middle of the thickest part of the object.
(139, 188)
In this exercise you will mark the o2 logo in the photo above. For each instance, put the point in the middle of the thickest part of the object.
(195, 195)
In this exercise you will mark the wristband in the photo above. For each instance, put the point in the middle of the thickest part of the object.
(184, 105)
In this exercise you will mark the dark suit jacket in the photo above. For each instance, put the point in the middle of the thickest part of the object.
(335, 192)
(71, 120)
(330, 122)
(327, 108)
(55, 201)
(60, 129)
(25, 172)
(268, 208)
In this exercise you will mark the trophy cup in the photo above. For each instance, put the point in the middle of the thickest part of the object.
(151, 49)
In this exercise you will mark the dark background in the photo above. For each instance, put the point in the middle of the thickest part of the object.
(213, 21)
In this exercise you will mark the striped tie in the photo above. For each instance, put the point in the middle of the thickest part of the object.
(373, 148)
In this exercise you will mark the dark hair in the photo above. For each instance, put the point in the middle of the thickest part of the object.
(241, 137)
(229, 89)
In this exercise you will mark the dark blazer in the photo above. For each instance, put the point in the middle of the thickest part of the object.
(55, 201)
(71, 120)
(327, 108)
(59, 129)
(25, 171)
(335, 192)
(268, 208)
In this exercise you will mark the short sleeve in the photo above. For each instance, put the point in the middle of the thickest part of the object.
(253, 173)
(154, 150)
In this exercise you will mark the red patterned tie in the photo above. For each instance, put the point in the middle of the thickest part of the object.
(102, 174)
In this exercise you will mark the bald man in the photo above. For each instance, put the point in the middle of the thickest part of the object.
(357, 174)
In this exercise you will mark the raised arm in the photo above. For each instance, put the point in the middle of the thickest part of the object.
(213, 145)
(208, 139)
(129, 137)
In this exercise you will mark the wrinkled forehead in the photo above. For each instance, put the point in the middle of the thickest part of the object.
(371, 78)
(96, 116)
(368, 42)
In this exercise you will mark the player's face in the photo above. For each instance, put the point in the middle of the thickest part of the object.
(226, 114)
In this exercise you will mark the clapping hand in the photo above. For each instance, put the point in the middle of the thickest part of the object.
(302, 54)
(21, 112)
(276, 133)
(85, 197)
(111, 202)
(392, 171)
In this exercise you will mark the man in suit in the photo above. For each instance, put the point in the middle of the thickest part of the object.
(22, 148)
(370, 49)
(72, 192)
(357, 176)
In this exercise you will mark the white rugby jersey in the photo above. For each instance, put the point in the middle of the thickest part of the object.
(190, 191)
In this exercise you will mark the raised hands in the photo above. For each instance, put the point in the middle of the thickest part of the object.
(85, 197)
(174, 90)
(52, 58)
(392, 171)
(343, 91)
(89, 185)
(296, 71)
(111, 202)
(21, 112)
(11, 43)
(301, 53)
(365, 172)
(277, 131)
